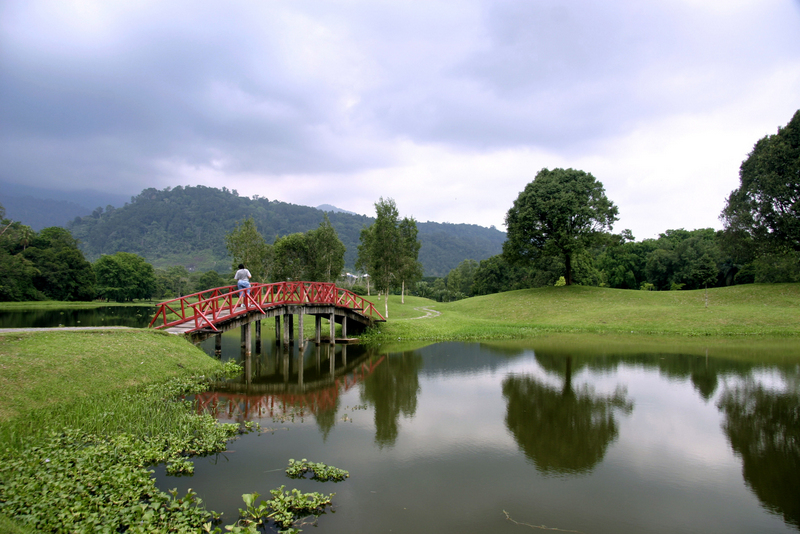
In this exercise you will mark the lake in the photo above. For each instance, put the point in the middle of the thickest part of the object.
(133, 316)
(559, 432)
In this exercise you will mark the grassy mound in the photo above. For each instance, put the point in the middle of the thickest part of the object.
(754, 309)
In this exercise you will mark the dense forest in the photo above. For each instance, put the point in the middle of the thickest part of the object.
(187, 226)
(677, 259)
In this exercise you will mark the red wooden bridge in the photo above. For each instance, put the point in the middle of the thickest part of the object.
(211, 312)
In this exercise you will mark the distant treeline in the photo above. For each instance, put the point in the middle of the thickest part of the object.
(678, 259)
(187, 226)
(49, 265)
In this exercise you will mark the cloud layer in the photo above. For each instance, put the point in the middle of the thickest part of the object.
(449, 108)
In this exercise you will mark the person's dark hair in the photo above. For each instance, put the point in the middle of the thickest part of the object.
(241, 265)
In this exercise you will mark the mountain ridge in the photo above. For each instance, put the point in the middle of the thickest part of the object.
(187, 226)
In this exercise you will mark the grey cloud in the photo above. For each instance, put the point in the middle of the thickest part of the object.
(198, 90)
(328, 87)
(560, 75)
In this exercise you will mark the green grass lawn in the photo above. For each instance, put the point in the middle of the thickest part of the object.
(766, 310)
(42, 368)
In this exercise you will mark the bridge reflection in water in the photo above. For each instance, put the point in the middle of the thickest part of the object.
(288, 382)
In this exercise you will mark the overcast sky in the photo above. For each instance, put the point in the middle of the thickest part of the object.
(450, 108)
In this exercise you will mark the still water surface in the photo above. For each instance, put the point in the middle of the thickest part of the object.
(133, 316)
(450, 437)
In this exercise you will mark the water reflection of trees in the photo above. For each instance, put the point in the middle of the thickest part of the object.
(703, 371)
(392, 389)
(562, 431)
(763, 427)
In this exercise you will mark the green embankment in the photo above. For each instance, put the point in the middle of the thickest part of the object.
(98, 407)
(40, 369)
(755, 309)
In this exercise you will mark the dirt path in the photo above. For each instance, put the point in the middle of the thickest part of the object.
(430, 312)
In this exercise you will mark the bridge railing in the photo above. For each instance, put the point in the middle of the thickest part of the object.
(206, 307)
(349, 299)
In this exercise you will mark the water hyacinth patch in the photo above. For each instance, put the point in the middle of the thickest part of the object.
(78, 482)
(322, 472)
(96, 479)
(285, 508)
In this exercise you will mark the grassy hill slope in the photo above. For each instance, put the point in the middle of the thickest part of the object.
(753, 309)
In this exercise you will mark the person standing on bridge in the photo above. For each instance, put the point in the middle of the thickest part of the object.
(242, 278)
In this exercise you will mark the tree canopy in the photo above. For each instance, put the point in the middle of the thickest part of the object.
(389, 249)
(561, 211)
(247, 246)
(766, 206)
(124, 276)
(317, 255)
(44, 265)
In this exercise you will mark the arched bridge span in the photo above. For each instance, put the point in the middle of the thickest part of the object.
(211, 312)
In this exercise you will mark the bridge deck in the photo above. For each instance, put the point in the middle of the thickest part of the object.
(217, 310)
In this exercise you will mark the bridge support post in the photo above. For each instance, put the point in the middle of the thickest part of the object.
(344, 326)
(246, 340)
(218, 345)
(291, 328)
(332, 321)
(286, 316)
(318, 328)
(277, 329)
(300, 336)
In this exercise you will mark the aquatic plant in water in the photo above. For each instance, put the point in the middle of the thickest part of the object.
(322, 472)
(285, 508)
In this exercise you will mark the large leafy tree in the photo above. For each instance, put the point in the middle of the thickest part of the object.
(560, 212)
(210, 280)
(124, 276)
(44, 265)
(326, 252)
(766, 206)
(317, 255)
(63, 272)
(246, 245)
(389, 248)
(410, 268)
(18, 272)
(291, 260)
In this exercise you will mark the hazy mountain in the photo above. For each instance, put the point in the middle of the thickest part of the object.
(334, 209)
(39, 208)
(40, 213)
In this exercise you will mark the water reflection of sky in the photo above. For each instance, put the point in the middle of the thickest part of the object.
(455, 463)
